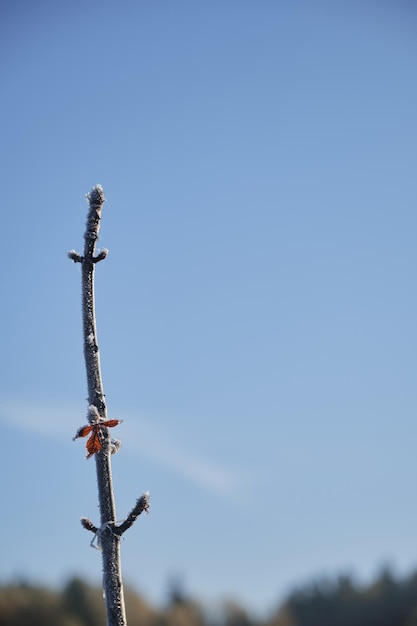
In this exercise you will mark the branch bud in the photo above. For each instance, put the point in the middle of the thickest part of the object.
(95, 197)
(75, 256)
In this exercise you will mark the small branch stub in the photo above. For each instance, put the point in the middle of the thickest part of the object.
(101, 255)
(88, 525)
(142, 505)
(75, 256)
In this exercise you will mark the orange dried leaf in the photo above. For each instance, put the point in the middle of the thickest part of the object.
(110, 423)
(83, 431)
(93, 445)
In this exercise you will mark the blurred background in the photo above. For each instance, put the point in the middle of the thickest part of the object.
(256, 313)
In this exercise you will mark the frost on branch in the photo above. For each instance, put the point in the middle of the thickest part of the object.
(75, 256)
(88, 525)
(107, 535)
(142, 505)
(115, 445)
(96, 196)
(102, 254)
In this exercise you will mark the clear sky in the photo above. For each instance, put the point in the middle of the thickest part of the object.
(257, 311)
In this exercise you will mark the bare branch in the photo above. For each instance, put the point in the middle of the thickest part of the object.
(100, 445)
(88, 525)
(75, 256)
(141, 505)
(101, 255)
(107, 540)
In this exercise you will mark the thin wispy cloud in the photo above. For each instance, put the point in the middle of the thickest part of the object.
(158, 446)
(145, 438)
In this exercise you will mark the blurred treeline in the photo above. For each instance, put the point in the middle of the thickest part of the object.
(385, 602)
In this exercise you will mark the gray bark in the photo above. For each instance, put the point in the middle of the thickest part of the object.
(108, 539)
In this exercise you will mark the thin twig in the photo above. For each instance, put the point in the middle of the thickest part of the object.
(88, 525)
(141, 505)
(110, 543)
(100, 444)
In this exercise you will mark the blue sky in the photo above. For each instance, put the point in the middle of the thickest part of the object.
(257, 311)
